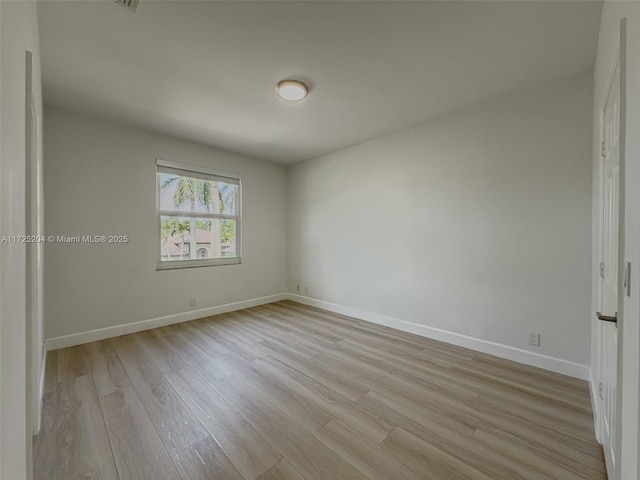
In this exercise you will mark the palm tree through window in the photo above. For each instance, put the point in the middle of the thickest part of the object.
(198, 216)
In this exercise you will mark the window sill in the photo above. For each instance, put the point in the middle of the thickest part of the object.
(179, 264)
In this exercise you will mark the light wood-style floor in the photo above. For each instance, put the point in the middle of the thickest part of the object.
(290, 392)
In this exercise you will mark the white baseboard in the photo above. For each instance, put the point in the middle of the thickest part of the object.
(519, 355)
(117, 330)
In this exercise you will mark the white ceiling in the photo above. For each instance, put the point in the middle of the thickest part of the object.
(206, 71)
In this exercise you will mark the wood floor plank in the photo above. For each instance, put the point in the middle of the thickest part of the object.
(235, 322)
(390, 343)
(177, 426)
(453, 414)
(368, 424)
(306, 454)
(325, 363)
(370, 333)
(189, 351)
(204, 341)
(397, 357)
(313, 339)
(107, 369)
(371, 358)
(432, 462)
(265, 318)
(165, 358)
(282, 470)
(72, 362)
(354, 366)
(562, 417)
(285, 391)
(219, 343)
(305, 413)
(485, 459)
(440, 380)
(166, 330)
(233, 343)
(369, 458)
(301, 348)
(250, 452)
(137, 448)
(83, 447)
(493, 363)
(526, 456)
(509, 420)
(519, 384)
(51, 372)
(352, 388)
(257, 328)
(560, 453)
(205, 461)
(280, 313)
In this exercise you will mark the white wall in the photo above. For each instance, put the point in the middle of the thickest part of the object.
(628, 328)
(19, 33)
(100, 178)
(478, 223)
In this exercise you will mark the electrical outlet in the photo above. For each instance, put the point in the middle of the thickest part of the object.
(534, 339)
(193, 301)
(297, 287)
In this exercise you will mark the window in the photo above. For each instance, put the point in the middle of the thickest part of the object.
(198, 216)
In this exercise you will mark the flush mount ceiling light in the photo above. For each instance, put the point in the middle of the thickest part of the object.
(292, 90)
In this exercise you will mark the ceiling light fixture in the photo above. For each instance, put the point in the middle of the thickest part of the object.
(292, 90)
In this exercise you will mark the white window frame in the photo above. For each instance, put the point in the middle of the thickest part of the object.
(164, 166)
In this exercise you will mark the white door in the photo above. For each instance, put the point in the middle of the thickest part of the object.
(609, 272)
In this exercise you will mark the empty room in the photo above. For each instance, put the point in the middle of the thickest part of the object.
(319, 240)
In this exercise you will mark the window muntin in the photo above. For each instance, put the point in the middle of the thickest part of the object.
(193, 200)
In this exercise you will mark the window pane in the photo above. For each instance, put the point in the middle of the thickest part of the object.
(228, 238)
(174, 238)
(214, 238)
(228, 198)
(180, 193)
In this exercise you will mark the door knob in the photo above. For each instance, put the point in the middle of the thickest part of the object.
(607, 318)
